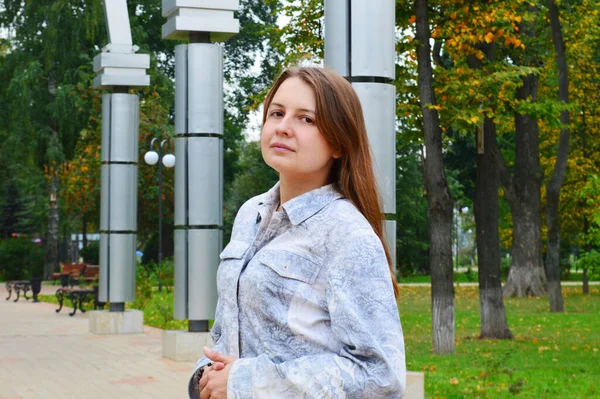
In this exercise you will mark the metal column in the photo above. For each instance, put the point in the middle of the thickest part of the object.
(119, 68)
(360, 45)
(198, 151)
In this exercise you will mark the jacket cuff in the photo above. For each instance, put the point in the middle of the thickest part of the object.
(193, 385)
(239, 385)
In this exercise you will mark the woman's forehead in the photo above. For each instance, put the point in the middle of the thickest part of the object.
(295, 94)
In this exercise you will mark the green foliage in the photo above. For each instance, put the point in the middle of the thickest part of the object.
(255, 177)
(20, 259)
(590, 195)
(91, 253)
(15, 212)
(143, 287)
(161, 274)
(589, 260)
(412, 239)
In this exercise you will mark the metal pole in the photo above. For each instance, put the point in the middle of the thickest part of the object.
(160, 211)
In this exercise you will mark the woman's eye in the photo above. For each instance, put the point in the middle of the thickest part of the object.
(277, 114)
(308, 120)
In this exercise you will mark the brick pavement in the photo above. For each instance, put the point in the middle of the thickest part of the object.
(44, 354)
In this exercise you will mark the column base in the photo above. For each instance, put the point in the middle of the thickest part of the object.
(185, 346)
(415, 385)
(103, 322)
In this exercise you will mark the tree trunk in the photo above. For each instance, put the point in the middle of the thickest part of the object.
(492, 312)
(52, 237)
(438, 196)
(586, 282)
(523, 193)
(560, 168)
(84, 231)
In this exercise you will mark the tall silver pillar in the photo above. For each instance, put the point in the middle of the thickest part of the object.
(198, 151)
(119, 68)
(359, 45)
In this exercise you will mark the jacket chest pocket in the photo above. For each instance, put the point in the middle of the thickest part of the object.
(234, 250)
(290, 265)
(232, 261)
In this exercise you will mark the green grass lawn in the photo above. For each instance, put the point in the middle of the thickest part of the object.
(473, 277)
(425, 278)
(551, 356)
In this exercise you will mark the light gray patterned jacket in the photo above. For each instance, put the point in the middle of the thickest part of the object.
(306, 303)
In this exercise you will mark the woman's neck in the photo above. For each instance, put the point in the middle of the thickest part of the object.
(292, 187)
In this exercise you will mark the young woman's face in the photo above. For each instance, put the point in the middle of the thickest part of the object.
(291, 143)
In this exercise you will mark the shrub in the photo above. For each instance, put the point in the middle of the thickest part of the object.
(590, 261)
(20, 259)
(91, 253)
(143, 287)
(164, 273)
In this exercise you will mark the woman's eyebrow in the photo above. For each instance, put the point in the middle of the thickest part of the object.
(300, 109)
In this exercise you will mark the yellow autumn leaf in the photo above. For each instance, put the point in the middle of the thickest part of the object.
(489, 37)
(454, 381)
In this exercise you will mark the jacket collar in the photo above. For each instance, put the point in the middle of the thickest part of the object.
(302, 207)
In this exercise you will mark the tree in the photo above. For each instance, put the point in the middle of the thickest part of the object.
(553, 189)
(438, 195)
(255, 177)
(12, 207)
(43, 131)
(492, 312)
(522, 188)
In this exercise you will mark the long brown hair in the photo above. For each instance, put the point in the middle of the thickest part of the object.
(341, 122)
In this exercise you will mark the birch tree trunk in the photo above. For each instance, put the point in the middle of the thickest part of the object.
(52, 236)
(438, 196)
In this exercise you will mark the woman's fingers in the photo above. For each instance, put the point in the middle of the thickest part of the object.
(218, 366)
(217, 357)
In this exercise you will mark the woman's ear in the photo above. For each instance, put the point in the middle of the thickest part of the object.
(336, 155)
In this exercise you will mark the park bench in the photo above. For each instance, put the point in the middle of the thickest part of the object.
(91, 273)
(18, 286)
(69, 273)
(78, 296)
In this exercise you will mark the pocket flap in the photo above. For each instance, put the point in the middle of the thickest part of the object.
(290, 265)
(235, 249)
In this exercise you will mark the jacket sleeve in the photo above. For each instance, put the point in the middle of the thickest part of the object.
(364, 319)
(215, 333)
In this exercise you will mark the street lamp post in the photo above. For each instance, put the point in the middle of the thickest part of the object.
(168, 160)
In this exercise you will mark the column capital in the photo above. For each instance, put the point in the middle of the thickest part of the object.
(212, 16)
(118, 65)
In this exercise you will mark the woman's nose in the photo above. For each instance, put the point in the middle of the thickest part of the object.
(284, 127)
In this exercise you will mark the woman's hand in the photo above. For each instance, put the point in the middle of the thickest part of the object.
(213, 384)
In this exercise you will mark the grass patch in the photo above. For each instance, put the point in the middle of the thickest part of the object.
(552, 355)
(464, 277)
(158, 309)
(473, 277)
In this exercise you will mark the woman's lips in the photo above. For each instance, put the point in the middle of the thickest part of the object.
(281, 147)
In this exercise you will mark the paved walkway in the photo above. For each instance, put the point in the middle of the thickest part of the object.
(44, 354)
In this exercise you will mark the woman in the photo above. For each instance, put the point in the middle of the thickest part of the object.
(307, 296)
